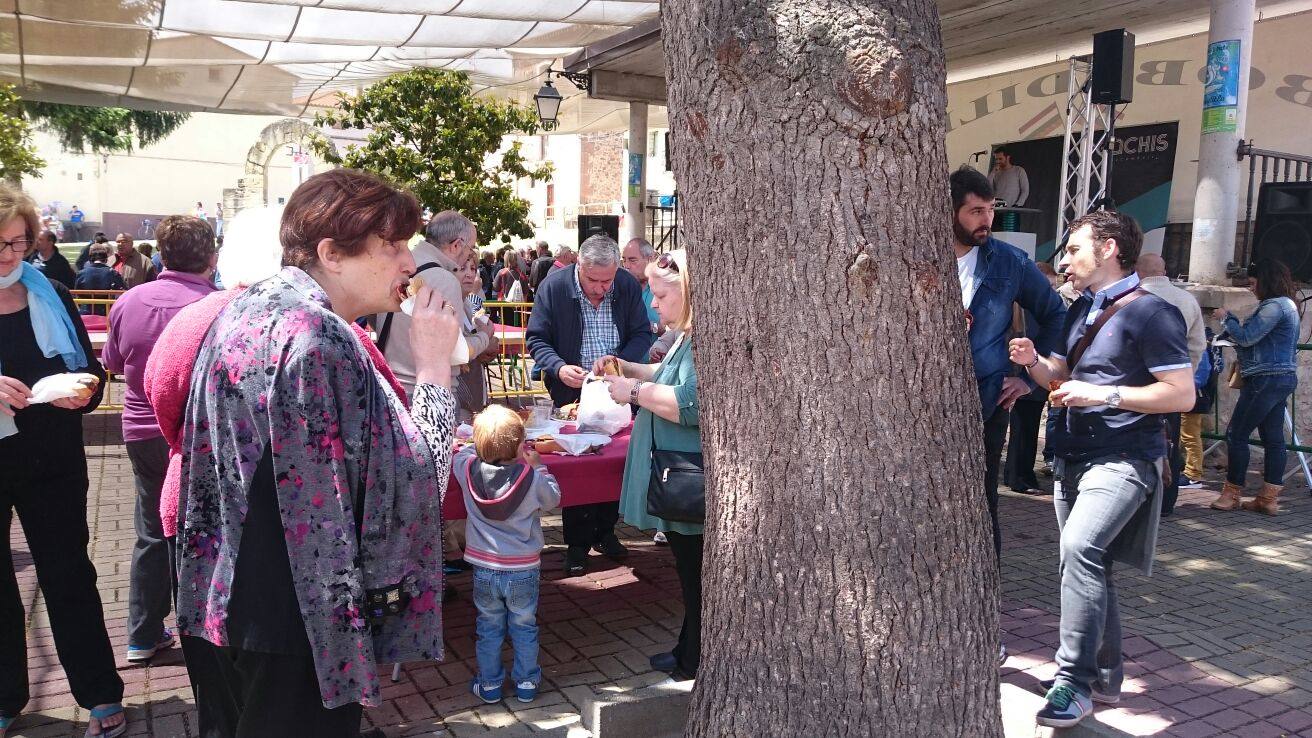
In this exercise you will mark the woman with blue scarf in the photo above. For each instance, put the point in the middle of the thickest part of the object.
(43, 477)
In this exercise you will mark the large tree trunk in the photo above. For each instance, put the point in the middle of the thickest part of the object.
(850, 584)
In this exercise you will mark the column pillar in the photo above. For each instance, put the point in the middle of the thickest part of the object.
(635, 180)
(1225, 106)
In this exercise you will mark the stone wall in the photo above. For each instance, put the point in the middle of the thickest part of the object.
(601, 164)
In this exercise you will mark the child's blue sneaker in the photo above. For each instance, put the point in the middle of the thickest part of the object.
(487, 694)
(526, 691)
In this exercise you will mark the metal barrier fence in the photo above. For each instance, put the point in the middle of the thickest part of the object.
(509, 372)
(1267, 166)
(1294, 444)
(98, 303)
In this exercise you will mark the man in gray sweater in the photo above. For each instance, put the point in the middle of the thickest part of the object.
(1010, 182)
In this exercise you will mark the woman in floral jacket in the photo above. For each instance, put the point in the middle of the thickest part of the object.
(311, 548)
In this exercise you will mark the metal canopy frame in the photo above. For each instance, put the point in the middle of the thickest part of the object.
(1086, 150)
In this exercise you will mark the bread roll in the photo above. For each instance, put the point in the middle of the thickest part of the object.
(86, 385)
(412, 289)
(548, 446)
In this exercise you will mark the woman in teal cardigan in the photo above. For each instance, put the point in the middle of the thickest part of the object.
(666, 395)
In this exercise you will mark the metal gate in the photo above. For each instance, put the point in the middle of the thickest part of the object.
(1267, 166)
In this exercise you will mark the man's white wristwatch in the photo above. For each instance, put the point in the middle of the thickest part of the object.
(1114, 399)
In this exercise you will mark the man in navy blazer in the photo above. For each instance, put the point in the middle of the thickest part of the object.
(581, 313)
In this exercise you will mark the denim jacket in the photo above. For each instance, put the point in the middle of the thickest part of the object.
(1006, 275)
(1267, 340)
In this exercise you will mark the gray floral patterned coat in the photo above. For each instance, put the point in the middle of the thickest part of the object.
(278, 367)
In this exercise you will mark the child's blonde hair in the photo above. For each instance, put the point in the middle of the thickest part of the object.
(498, 434)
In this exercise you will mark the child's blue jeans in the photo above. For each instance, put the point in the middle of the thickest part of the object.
(507, 600)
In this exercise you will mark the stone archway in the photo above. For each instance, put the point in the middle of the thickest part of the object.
(253, 188)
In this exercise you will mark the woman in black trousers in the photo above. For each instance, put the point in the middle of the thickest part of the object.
(43, 478)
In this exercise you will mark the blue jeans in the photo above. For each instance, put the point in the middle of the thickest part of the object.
(1094, 501)
(506, 600)
(1261, 406)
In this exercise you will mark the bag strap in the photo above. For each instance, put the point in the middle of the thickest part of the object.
(385, 330)
(1118, 302)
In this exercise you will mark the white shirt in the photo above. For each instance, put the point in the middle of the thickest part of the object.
(966, 275)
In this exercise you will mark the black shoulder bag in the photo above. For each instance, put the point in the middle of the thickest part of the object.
(677, 490)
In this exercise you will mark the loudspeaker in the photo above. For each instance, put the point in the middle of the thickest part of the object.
(591, 225)
(1284, 226)
(1112, 77)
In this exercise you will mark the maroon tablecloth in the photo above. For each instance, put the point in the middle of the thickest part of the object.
(95, 323)
(583, 479)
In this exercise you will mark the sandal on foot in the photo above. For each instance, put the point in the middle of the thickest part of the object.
(101, 714)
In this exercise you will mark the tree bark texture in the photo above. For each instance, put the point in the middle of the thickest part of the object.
(850, 586)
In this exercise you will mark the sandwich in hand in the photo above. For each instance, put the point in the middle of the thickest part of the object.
(412, 289)
(63, 386)
(611, 368)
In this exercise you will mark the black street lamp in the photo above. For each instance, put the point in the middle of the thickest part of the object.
(548, 102)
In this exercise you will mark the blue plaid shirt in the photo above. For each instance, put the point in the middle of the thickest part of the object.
(600, 334)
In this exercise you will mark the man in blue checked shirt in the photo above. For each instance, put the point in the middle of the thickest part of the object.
(581, 313)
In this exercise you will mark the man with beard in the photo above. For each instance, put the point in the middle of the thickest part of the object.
(994, 276)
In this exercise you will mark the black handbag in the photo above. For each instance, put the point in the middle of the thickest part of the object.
(677, 491)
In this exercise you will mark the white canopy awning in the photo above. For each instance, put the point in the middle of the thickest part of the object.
(291, 57)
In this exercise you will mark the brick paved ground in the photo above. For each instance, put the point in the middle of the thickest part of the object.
(1219, 639)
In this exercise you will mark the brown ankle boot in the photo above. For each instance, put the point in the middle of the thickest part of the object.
(1230, 497)
(1265, 502)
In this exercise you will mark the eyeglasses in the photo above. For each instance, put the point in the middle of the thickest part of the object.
(20, 245)
(665, 261)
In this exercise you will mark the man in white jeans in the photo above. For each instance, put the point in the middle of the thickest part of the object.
(1110, 447)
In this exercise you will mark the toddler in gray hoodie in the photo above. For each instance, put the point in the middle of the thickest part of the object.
(506, 490)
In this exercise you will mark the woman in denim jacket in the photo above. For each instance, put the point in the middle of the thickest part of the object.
(1266, 344)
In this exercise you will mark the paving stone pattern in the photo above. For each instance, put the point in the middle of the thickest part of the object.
(1218, 641)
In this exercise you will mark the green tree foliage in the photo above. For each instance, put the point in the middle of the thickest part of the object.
(102, 130)
(17, 152)
(431, 135)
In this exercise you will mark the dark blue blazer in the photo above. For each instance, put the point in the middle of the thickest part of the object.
(555, 327)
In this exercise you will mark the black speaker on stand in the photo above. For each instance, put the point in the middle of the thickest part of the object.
(1111, 82)
(591, 225)
(1284, 226)
(1112, 76)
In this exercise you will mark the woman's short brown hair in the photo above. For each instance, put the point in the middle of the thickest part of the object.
(498, 434)
(347, 206)
(186, 244)
(14, 203)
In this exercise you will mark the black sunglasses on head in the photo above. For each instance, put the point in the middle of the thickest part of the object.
(665, 261)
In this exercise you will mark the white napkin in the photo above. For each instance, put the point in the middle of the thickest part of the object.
(577, 444)
(55, 387)
(459, 354)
